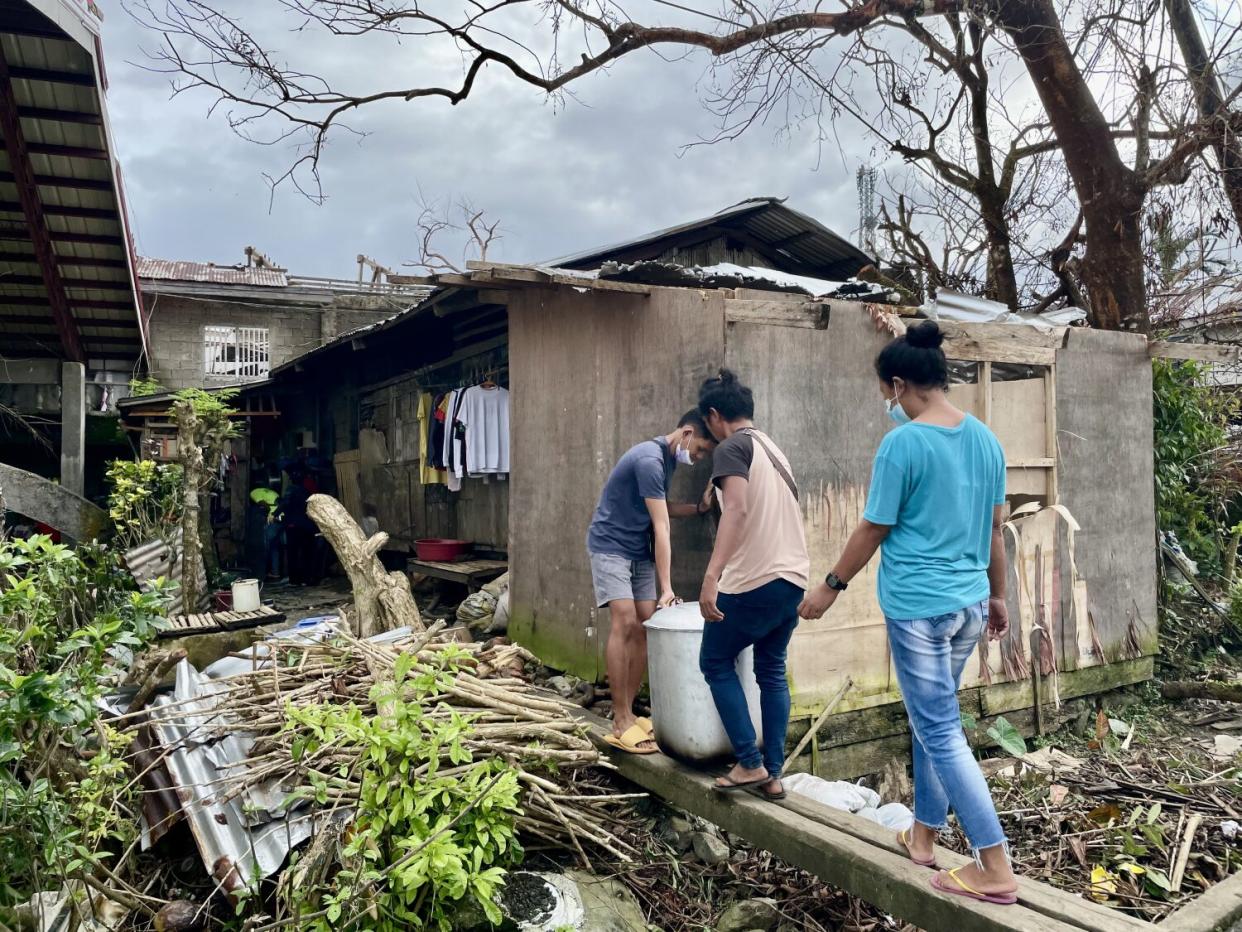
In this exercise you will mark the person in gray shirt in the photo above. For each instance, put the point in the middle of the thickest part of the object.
(631, 561)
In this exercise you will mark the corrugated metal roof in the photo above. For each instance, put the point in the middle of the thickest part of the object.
(173, 270)
(51, 47)
(794, 242)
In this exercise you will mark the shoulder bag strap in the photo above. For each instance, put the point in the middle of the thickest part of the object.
(780, 467)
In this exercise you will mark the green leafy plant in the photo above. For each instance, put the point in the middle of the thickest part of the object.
(1008, 737)
(1193, 495)
(425, 842)
(140, 388)
(144, 500)
(67, 620)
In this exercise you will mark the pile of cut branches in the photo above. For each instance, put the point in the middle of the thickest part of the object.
(437, 755)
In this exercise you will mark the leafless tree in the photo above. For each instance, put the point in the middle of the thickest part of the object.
(550, 44)
(437, 220)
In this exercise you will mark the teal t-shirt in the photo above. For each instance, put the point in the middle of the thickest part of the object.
(936, 487)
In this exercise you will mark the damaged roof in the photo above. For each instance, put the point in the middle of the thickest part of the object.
(789, 239)
(173, 270)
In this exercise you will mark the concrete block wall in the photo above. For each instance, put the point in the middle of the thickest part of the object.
(177, 332)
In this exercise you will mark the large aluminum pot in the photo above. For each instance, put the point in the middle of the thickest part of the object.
(685, 718)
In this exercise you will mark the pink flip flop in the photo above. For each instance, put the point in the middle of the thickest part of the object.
(1000, 899)
(921, 862)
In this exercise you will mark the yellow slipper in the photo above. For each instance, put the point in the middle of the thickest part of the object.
(630, 740)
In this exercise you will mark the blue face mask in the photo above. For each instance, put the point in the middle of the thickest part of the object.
(896, 411)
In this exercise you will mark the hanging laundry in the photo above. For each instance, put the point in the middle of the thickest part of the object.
(436, 440)
(454, 442)
(484, 415)
(428, 474)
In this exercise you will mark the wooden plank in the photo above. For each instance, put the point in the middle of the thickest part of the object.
(1043, 898)
(812, 315)
(1050, 430)
(1020, 419)
(985, 382)
(1219, 353)
(858, 861)
(1218, 909)
(1002, 342)
(1008, 697)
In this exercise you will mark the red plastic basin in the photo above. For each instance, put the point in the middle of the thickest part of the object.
(441, 550)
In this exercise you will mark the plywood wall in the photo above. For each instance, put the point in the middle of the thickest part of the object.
(1104, 444)
(591, 375)
(594, 373)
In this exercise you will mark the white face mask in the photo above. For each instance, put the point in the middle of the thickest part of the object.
(683, 456)
(896, 411)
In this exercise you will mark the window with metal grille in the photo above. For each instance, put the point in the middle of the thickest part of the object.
(236, 352)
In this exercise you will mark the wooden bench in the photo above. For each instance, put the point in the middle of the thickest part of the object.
(212, 622)
(470, 573)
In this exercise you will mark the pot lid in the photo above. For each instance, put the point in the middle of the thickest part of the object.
(683, 617)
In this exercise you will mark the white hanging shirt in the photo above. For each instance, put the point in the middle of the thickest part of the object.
(485, 415)
(451, 447)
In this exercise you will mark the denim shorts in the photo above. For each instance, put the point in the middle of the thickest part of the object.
(617, 578)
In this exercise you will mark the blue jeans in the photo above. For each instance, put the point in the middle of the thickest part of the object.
(929, 654)
(766, 618)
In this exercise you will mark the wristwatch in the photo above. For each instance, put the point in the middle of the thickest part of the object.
(833, 581)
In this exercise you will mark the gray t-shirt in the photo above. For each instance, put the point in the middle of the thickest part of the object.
(622, 525)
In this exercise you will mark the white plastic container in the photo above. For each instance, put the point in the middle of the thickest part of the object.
(685, 717)
(246, 595)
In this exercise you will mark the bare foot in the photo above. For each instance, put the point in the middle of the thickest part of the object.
(993, 883)
(919, 841)
(740, 774)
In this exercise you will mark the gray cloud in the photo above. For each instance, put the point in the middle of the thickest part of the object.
(606, 165)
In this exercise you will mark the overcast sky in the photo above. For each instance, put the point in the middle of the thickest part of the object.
(610, 165)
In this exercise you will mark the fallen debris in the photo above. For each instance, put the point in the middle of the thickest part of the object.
(1143, 832)
(383, 599)
(264, 733)
(1211, 689)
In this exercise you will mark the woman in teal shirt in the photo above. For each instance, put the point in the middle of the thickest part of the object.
(934, 509)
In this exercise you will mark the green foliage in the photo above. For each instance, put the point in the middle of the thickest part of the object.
(66, 617)
(142, 387)
(425, 842)
(144, 500)
(1008, 737)
(1191, 421)
(213, 407)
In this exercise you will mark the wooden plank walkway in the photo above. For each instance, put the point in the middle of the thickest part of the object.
(864, 859)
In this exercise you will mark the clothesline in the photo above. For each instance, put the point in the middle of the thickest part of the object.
(464, 432)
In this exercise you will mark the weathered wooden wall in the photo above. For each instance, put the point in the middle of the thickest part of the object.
(1104, 443)
(591, 375)
(594, 373)
(816, 395)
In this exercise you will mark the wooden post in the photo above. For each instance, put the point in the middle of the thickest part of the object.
(1050, 431)
(383, 599)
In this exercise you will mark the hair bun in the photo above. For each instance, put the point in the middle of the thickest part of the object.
(925, 335)
(727, 376)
